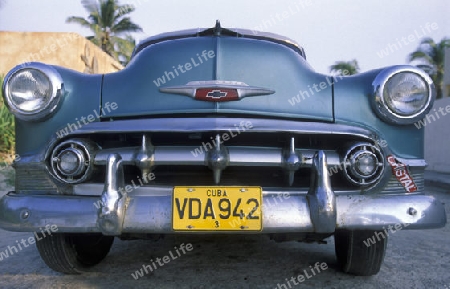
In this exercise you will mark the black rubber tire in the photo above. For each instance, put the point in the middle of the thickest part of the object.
(73, 253)
(354, 256)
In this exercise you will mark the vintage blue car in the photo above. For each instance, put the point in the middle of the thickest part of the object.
(217, 131)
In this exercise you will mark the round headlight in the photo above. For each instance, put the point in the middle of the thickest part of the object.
(33, 92)
(406, 93)
(403, 95)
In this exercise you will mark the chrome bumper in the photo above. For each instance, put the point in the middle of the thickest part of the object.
(149, 209)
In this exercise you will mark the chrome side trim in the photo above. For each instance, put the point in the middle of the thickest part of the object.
(321, 198)
(419, 163)
(113, 200)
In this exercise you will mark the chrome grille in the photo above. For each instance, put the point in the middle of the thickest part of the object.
(274, 153)
(395, 187)
(33, 177)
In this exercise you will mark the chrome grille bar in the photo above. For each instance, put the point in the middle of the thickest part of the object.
(243, 156)
(239, 156)
(147, 156)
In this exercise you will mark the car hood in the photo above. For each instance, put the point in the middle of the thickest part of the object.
(273, 69)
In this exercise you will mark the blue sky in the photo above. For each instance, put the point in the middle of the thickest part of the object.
(329, 30)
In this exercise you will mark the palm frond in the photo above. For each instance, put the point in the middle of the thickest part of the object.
(95, 18)
(428, 41)
(427, 68)
(123, 10)
(445, 43)
(106, 20)
(91, 6)
(107, 9)
(420, 55)
(345, 67)
(431, 56)
(125, 25)
(78, 20)
(125, 48)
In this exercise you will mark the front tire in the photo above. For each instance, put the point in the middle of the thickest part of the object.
(356, 254)
(73, 253)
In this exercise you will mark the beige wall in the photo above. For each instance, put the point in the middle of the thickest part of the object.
(69, 50)
(437, 137)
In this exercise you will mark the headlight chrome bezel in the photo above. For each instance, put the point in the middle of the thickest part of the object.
(352, 173)
(383, 110)
(50, 107)
(84, 150)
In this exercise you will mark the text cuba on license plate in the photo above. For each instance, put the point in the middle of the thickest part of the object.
(217, 209)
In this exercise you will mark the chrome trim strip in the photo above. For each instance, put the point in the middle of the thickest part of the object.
(237, 32)
(255, 156)
(95, 189)
(419, 163)
(221, 124)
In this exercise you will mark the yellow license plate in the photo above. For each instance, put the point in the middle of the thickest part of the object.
(217, 209)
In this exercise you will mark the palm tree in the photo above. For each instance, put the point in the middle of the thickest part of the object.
(345, 67)
(108, 20)
(431, 56)
(125, 48)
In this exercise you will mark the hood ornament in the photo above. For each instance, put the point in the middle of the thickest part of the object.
(217, 90)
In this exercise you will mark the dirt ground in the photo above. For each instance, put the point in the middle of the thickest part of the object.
(415, 259)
